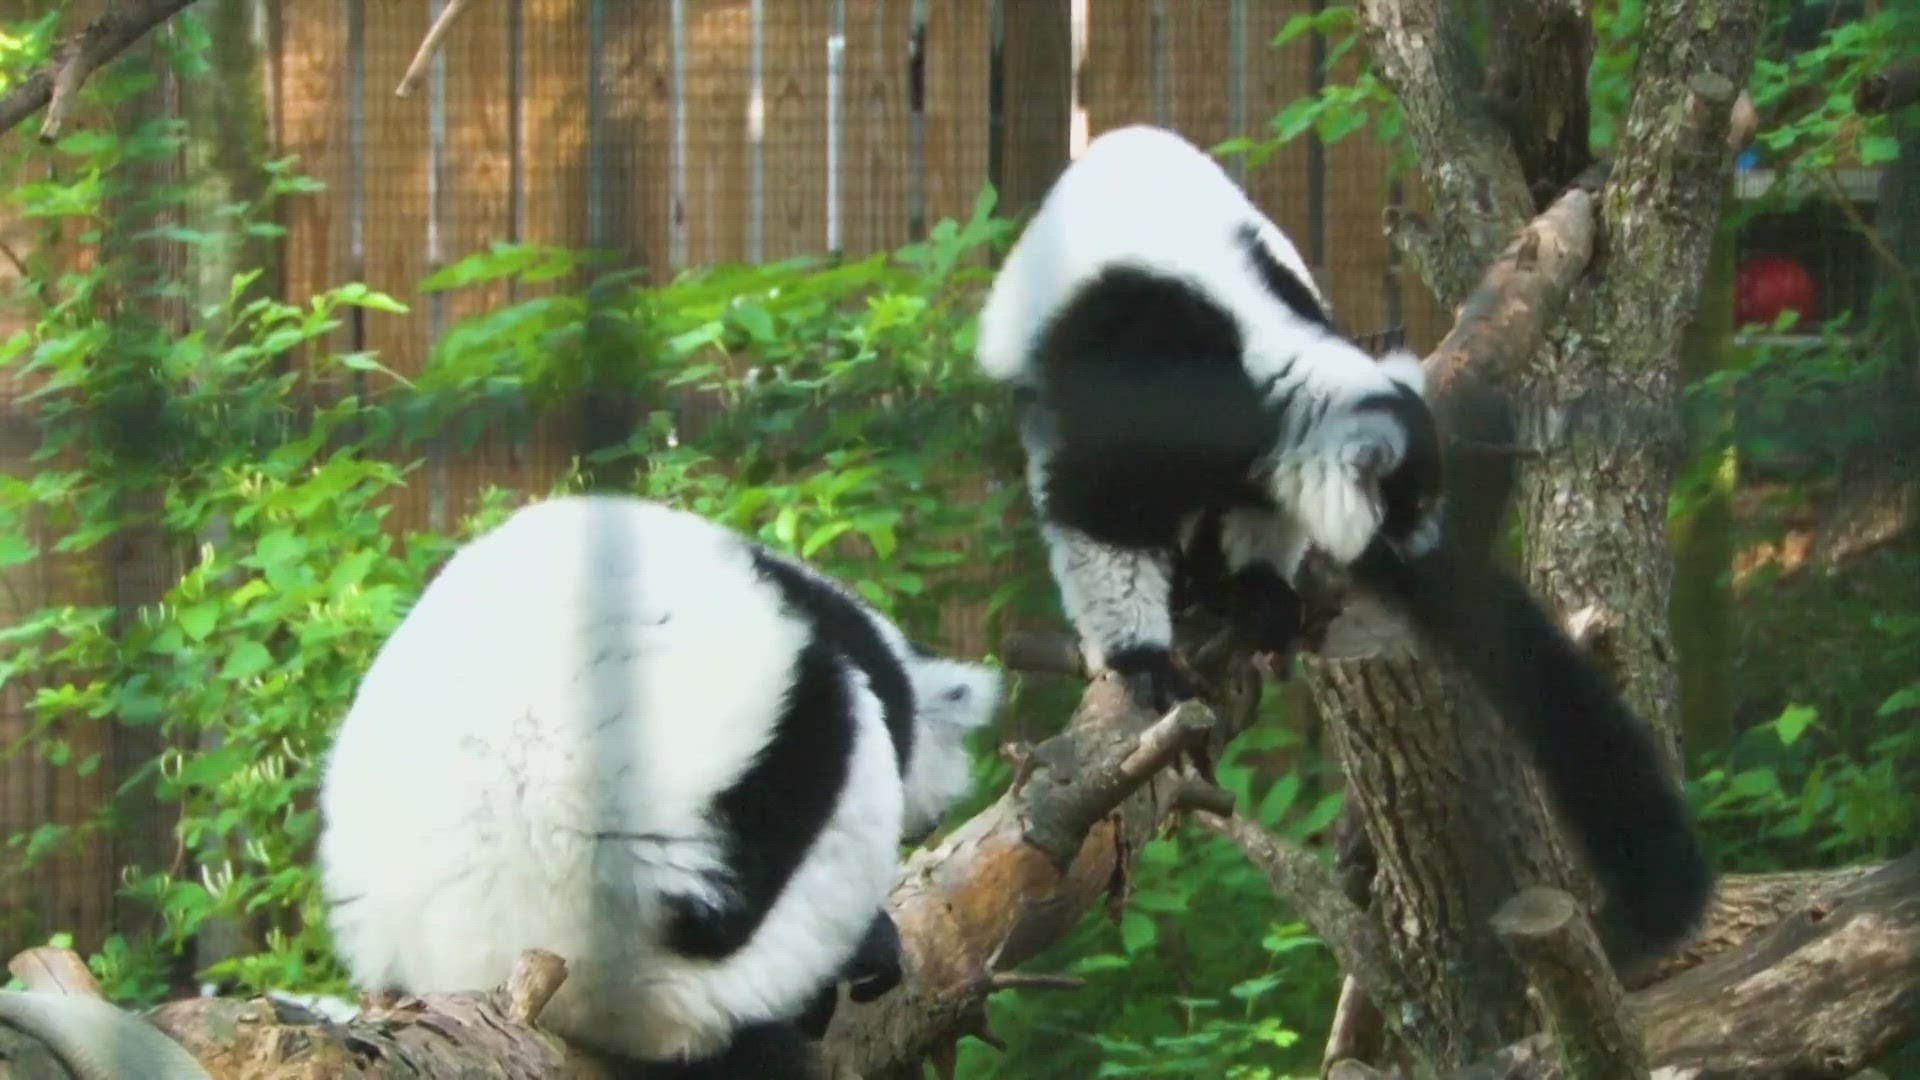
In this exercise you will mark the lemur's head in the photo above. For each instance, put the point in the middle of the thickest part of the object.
(1412, 493)
(951, 698)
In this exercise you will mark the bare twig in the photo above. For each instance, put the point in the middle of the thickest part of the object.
(66, 89)
(1034, 980)
(1187, 725)
(1069, 792)
(58, 81)
(423, 56)
(1194, 794)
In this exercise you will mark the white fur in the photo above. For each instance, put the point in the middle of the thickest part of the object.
(1138, 195)
(530, 758)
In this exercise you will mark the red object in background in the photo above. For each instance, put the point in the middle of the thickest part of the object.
(1768, 285)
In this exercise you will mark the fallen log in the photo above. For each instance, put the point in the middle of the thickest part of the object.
(1001, 886)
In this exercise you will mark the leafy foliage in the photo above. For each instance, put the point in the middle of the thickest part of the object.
(1184, 979)
(826, 406)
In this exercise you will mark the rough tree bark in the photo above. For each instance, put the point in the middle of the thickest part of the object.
(1595, 427)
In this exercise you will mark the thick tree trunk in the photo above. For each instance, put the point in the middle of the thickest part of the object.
(1443, 794)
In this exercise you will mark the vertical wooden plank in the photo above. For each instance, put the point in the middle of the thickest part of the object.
(956, 50)
(553, 123)
(794, 207)
(638, 99)
(311, 65)
(1356, 194)
(1119, 64)
(874, 171)
(1036, 72)
(718, 91)
(1279, 186)
(394, 219)
(1197, 46)
(757, 131)
(475, 209)
(395, 155)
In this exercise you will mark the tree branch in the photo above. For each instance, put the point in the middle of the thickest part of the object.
(1019, 874)
(1299, 879)
(1520, 296)
(1479, 193)
(1663, 195)
(423, 56)
(57, 83)
(1820, 996)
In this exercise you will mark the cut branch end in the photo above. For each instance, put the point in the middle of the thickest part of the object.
(536, 977)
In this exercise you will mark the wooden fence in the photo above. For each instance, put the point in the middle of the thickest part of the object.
(679, 133)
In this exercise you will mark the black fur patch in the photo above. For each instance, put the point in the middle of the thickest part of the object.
(1154, 415)
(1411, 489)
(839, 622)
(1283, 283)
(1152, 677)
(757, 1052)
(1260, 606)
(1264, 611)
(874, 969)
(776, 809)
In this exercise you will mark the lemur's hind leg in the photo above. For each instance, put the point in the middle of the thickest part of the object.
(1119, 601)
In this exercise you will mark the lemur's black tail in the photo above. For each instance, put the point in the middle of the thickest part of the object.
(1599, 762)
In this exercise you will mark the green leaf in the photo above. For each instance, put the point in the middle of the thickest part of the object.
(199, 620)
(16, 550)
(357, 295)
(824, 535)
(365, 361)
(1901, 701)
(1322, 814)
(1794, 722)
(756, 322)
(1279, 799)
(248, 658)
(786, 527)
(1878, 149)
(1137, 931)
(1294, 120)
